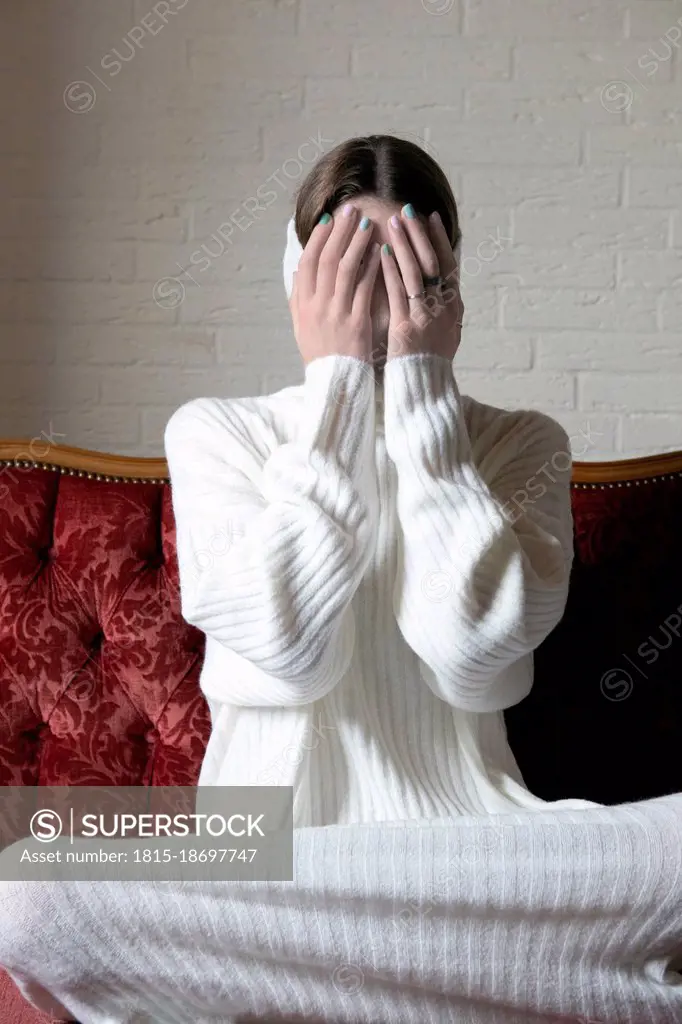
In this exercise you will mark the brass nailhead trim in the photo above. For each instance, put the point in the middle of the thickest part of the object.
(628, 483)
(83, 472)
(164, 480)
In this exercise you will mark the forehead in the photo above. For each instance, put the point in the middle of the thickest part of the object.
(378, 210)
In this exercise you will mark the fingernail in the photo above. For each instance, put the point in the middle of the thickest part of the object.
(364, 223)
(348, 209)
(394, 221)
(435, 217)
(324, 219)
(387, 249)
(408, 210)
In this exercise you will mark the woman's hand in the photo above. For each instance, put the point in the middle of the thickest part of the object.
(433, 322)
(332, 290)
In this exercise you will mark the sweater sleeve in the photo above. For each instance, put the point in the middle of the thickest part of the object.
(486, 535)
(273, 540)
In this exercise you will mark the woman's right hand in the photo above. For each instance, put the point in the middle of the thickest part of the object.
(333, 286)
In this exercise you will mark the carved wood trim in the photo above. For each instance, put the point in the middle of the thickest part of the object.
(106, 466)
(645, 467)
(82, 461)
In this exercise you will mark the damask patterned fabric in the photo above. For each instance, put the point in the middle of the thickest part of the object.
(99, 672)
(99, 676)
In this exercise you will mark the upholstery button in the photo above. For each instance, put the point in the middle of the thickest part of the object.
(35, 734)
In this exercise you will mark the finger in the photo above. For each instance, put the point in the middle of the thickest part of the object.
(408, 265)
(441, 244)
(310, 257)
(362, 298)
(417, 234)
(395, 289)
(351, 264)
(334, 249)
(448, 263)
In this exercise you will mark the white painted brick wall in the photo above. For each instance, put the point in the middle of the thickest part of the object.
(132, 131)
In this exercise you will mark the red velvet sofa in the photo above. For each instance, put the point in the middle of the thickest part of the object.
(99, 672)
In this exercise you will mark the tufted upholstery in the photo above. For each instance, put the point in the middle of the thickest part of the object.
(99, 673)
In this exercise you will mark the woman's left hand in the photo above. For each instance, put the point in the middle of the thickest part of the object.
(433, 322)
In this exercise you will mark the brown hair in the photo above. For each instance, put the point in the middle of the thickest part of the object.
(383, 166)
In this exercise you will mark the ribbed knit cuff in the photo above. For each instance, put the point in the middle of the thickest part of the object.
(423, 413)
(338, 419)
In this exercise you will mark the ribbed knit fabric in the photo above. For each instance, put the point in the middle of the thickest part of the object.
(373, 567)
(532, 918)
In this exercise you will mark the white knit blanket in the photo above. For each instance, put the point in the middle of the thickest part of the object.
(539, 916)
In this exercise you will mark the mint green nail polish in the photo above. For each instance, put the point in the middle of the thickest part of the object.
(324, 219)
(387, 249)
(364, 223)
(408, 210)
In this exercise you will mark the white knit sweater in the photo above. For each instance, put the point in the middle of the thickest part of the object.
(372, 572)
(373, 566)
